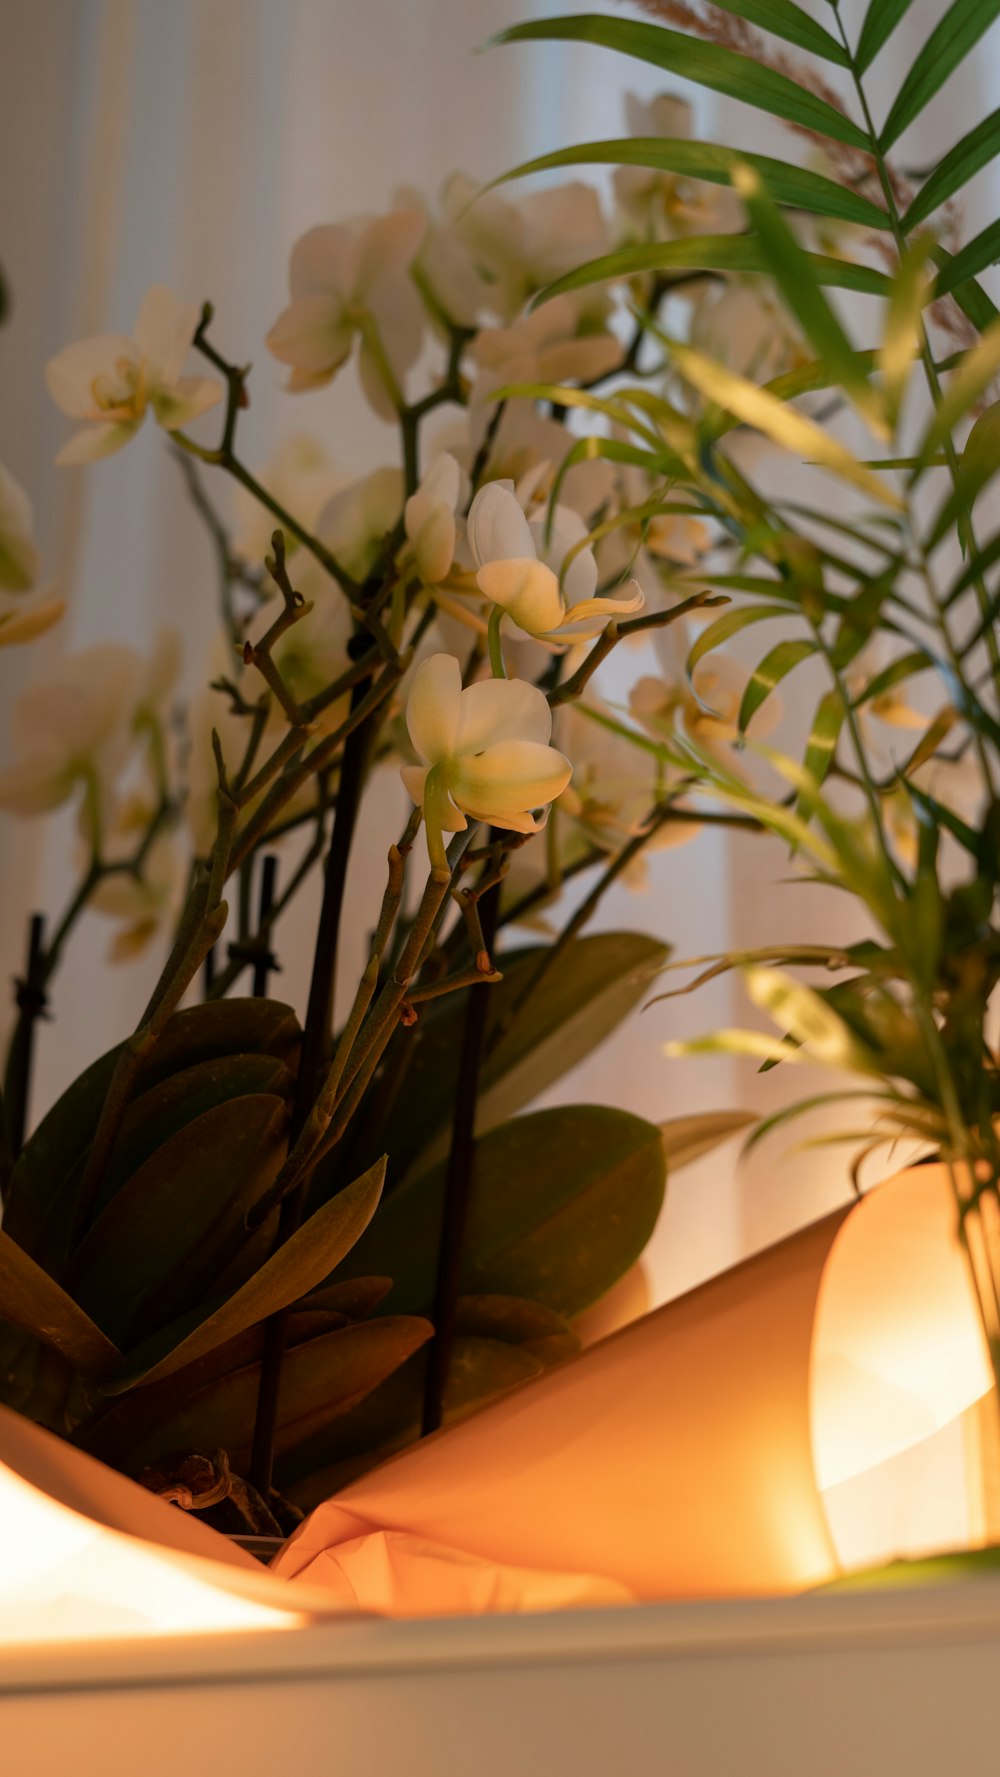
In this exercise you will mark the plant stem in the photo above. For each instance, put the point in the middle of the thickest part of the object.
(458, 1182)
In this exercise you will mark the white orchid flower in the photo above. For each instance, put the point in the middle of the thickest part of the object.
(512, 576)
(522, 247)
(485, 753)
(455, 291)
(662, 206)
(351, 281)
(20, 562)
(110, 381)
(545, 346)
(73, 730)
(429, 517)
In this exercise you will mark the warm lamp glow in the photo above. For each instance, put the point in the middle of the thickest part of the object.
(899, 1358)
(64, 1577)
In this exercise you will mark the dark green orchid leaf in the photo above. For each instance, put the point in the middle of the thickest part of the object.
(532, 1038)
(160, 1112)
(320, 1379)
(389, 1418)
(515, 1321)
(355, 1298)
(32, 1300)
(165, 1236)
(562, 1203)
(38, 1184)
(298, 1266)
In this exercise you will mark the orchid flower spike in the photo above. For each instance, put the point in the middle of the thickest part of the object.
(111, 380)
(511, 574)
(485, 753)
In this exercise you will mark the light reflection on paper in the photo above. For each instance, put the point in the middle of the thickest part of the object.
(64, 1577)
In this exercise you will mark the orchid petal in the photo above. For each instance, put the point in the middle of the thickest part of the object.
(25, 624)
(324, 261)
(387, 249)
(495, 710)
(434, 545)
(164, 330)
(433, 711)
(176, 404)
(311, 335)
(510, 779)
(607, 607)
(96, 441)
(525, 588)
(71, 374)
(498, 529)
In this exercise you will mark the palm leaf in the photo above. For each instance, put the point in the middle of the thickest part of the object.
(981, 251)
(783, 19)
(707, 64)
(955, 170)
(774, 667)
(710, 252)
(796, 187)
(881, 20)
(947, 46)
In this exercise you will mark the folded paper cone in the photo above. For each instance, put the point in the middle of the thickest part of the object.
(85, 1553)
(692, 1454)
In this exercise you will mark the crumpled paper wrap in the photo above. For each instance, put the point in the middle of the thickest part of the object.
(693, 1453)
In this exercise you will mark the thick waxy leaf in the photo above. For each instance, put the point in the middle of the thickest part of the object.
(797, 187)
(532, 1039)
(709, 252)
(32, 1300)
(947, 46)
(389, 1418)
(163, 1238)
(562, 1203)
(954, 171)
(159, 1113)
(297, 1267)
(708, 64)
(686, 1139)
(775, 666)
(198, 1034)
(514, 1321)
(321, 1377)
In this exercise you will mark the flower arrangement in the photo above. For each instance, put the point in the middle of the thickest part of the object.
(247, 1258)
(289, 1251)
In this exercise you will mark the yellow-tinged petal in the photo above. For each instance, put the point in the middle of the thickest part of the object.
(433, 710)
(527, 590)
(509, 779)
(26, 624)
(94, 442)
(495, 710)
(497, 527)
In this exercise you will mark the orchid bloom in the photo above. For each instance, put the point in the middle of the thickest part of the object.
(455, 291)
(547, 346)
(75, 729)
(521, 247)
(511, 575)
(111, 380)
(485, 753)
(348, 281)
(662, 206)
(429, 518)
(19, 568)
